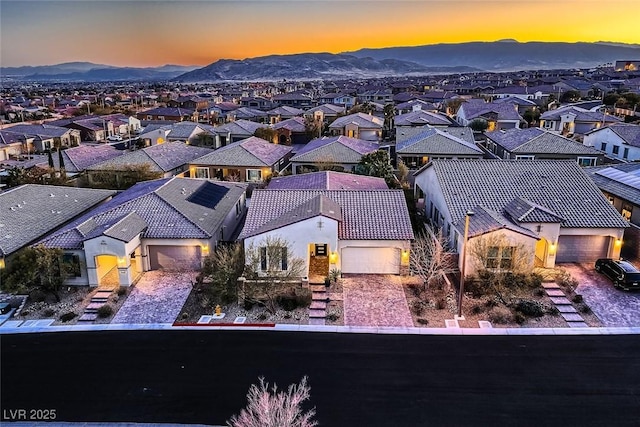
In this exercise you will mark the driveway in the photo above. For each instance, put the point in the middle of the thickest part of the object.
(613, 307)
(157, 298)
(375, 300)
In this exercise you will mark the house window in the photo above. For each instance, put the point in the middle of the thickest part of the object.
(625, 153)
(626, 211)
(73, 261)
(273, 258)
(500, 257)
(611, 199)
(525, 157)
(587, 161)
(254, 175)
(548, 124)
(238, 209)
(616, 149)
(202, 173)
(603, 146)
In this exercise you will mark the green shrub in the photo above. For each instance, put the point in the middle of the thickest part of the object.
(441, 303)
(332, 317)
(65, 317)
(48, 312)
(417, 307)
(247, 304)
(37, 295)
(422, 321)
(303, 297)
(415, 289)
(263, 316)
(105, 311)
(519, 318)
(577, 299)
(584, 308)
(122, 291)
(539, 292)
(530, 308)
(477, 309)
(300, 298)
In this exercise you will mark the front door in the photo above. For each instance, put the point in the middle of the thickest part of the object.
(318, 262)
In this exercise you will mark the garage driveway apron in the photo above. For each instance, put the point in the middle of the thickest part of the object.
(375, 300)
(157, 298)
(614, 307)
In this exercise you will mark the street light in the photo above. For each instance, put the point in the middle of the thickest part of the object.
(467, 216)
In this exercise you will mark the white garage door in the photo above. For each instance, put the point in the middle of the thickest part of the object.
(371, 260)
(174, 257)
(582, 248)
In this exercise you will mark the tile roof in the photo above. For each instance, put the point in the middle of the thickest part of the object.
(538, 141)
(327, 180)
(77, 159)
(239, 127)
(44, 130)
(522, 211)
(161, 158)
(294, 124)
(475, 108)
(485, 221)
(433, 141)
(366, 214)
(167, 111)
(362, 120)
(424, 105)
(420, 117)
(285, 110)
(253, 151)
(342, 149)
(629, 133)
(581, 114)
(622, 180)
(327, 109)
(560, 186)
(169, 208)
(32, 210)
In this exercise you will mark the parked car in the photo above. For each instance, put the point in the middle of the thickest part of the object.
(622, 273)
(114, 138)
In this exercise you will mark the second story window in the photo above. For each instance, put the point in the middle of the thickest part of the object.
(616, 149)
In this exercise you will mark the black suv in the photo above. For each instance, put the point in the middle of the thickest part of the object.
(623, 274)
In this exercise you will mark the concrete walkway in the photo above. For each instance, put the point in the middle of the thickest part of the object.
(157, 298)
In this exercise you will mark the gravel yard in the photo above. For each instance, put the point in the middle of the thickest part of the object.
(156, 298)
(375, 300)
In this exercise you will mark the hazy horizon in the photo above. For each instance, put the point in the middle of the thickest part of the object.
(196, 33)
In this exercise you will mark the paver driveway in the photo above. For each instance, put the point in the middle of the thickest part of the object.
(375, 300)
(157, 298)
(613, 307)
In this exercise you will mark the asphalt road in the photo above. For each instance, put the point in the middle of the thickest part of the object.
(355, 379)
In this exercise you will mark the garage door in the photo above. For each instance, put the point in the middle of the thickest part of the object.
(371, 260)
(174, 257)
(582, 248)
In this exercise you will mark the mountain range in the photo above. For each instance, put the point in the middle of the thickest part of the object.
(90, 72)
(502, 55)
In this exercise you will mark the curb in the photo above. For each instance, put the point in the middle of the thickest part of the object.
(328, 329)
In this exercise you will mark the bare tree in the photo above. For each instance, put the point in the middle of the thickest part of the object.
(430, 259)
(272, 266)
(268, 407)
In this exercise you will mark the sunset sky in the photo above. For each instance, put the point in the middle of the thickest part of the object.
(152, 33)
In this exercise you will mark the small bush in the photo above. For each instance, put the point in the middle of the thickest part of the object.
(477, 309)
(441, 303)
(122, 291)
(422, 321)
(263, 316)
(500, 315)
(530, 308)
(65, 317)
(184, 316)
(553, 310)
(577, 299)
(48, 312)
(105, 311)
(491, 303)
(332, 317)
(37, 295)
(539, 292)
(519, 318)
(417, 307)
(415, 289)
(247, 305)
(585, 309)
(303, 298)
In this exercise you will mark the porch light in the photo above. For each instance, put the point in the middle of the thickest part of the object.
(552, 248)
(2, 263)
(333, 256)
(405, 256)
(618, 242)
(121, 261)
(205, 249)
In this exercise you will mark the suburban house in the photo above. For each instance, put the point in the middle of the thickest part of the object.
(98, 128)
(522, 105)
(282, 113)
(235, 131)
(247, 113)
(192, 102)
(339, 153)
(169, 223)
(40, 138)
(619, 141)
(167, 160)
(292, 131)
(571, 120)
(11, 145)
(293, 99)
(421, 118)
(497, 115)
(539, 144)
(358, 125)
(325, 113)
(548, 210)
(354, 231)
(189, 132)
(434, 143)
(250, 160)
(32, 211)
(415, 105)
(77, 159)
(344, 99)
(327, 180)
(172, 114)
(621, 186)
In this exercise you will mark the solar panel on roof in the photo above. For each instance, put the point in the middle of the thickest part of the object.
(208, 195)
(631, 180)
